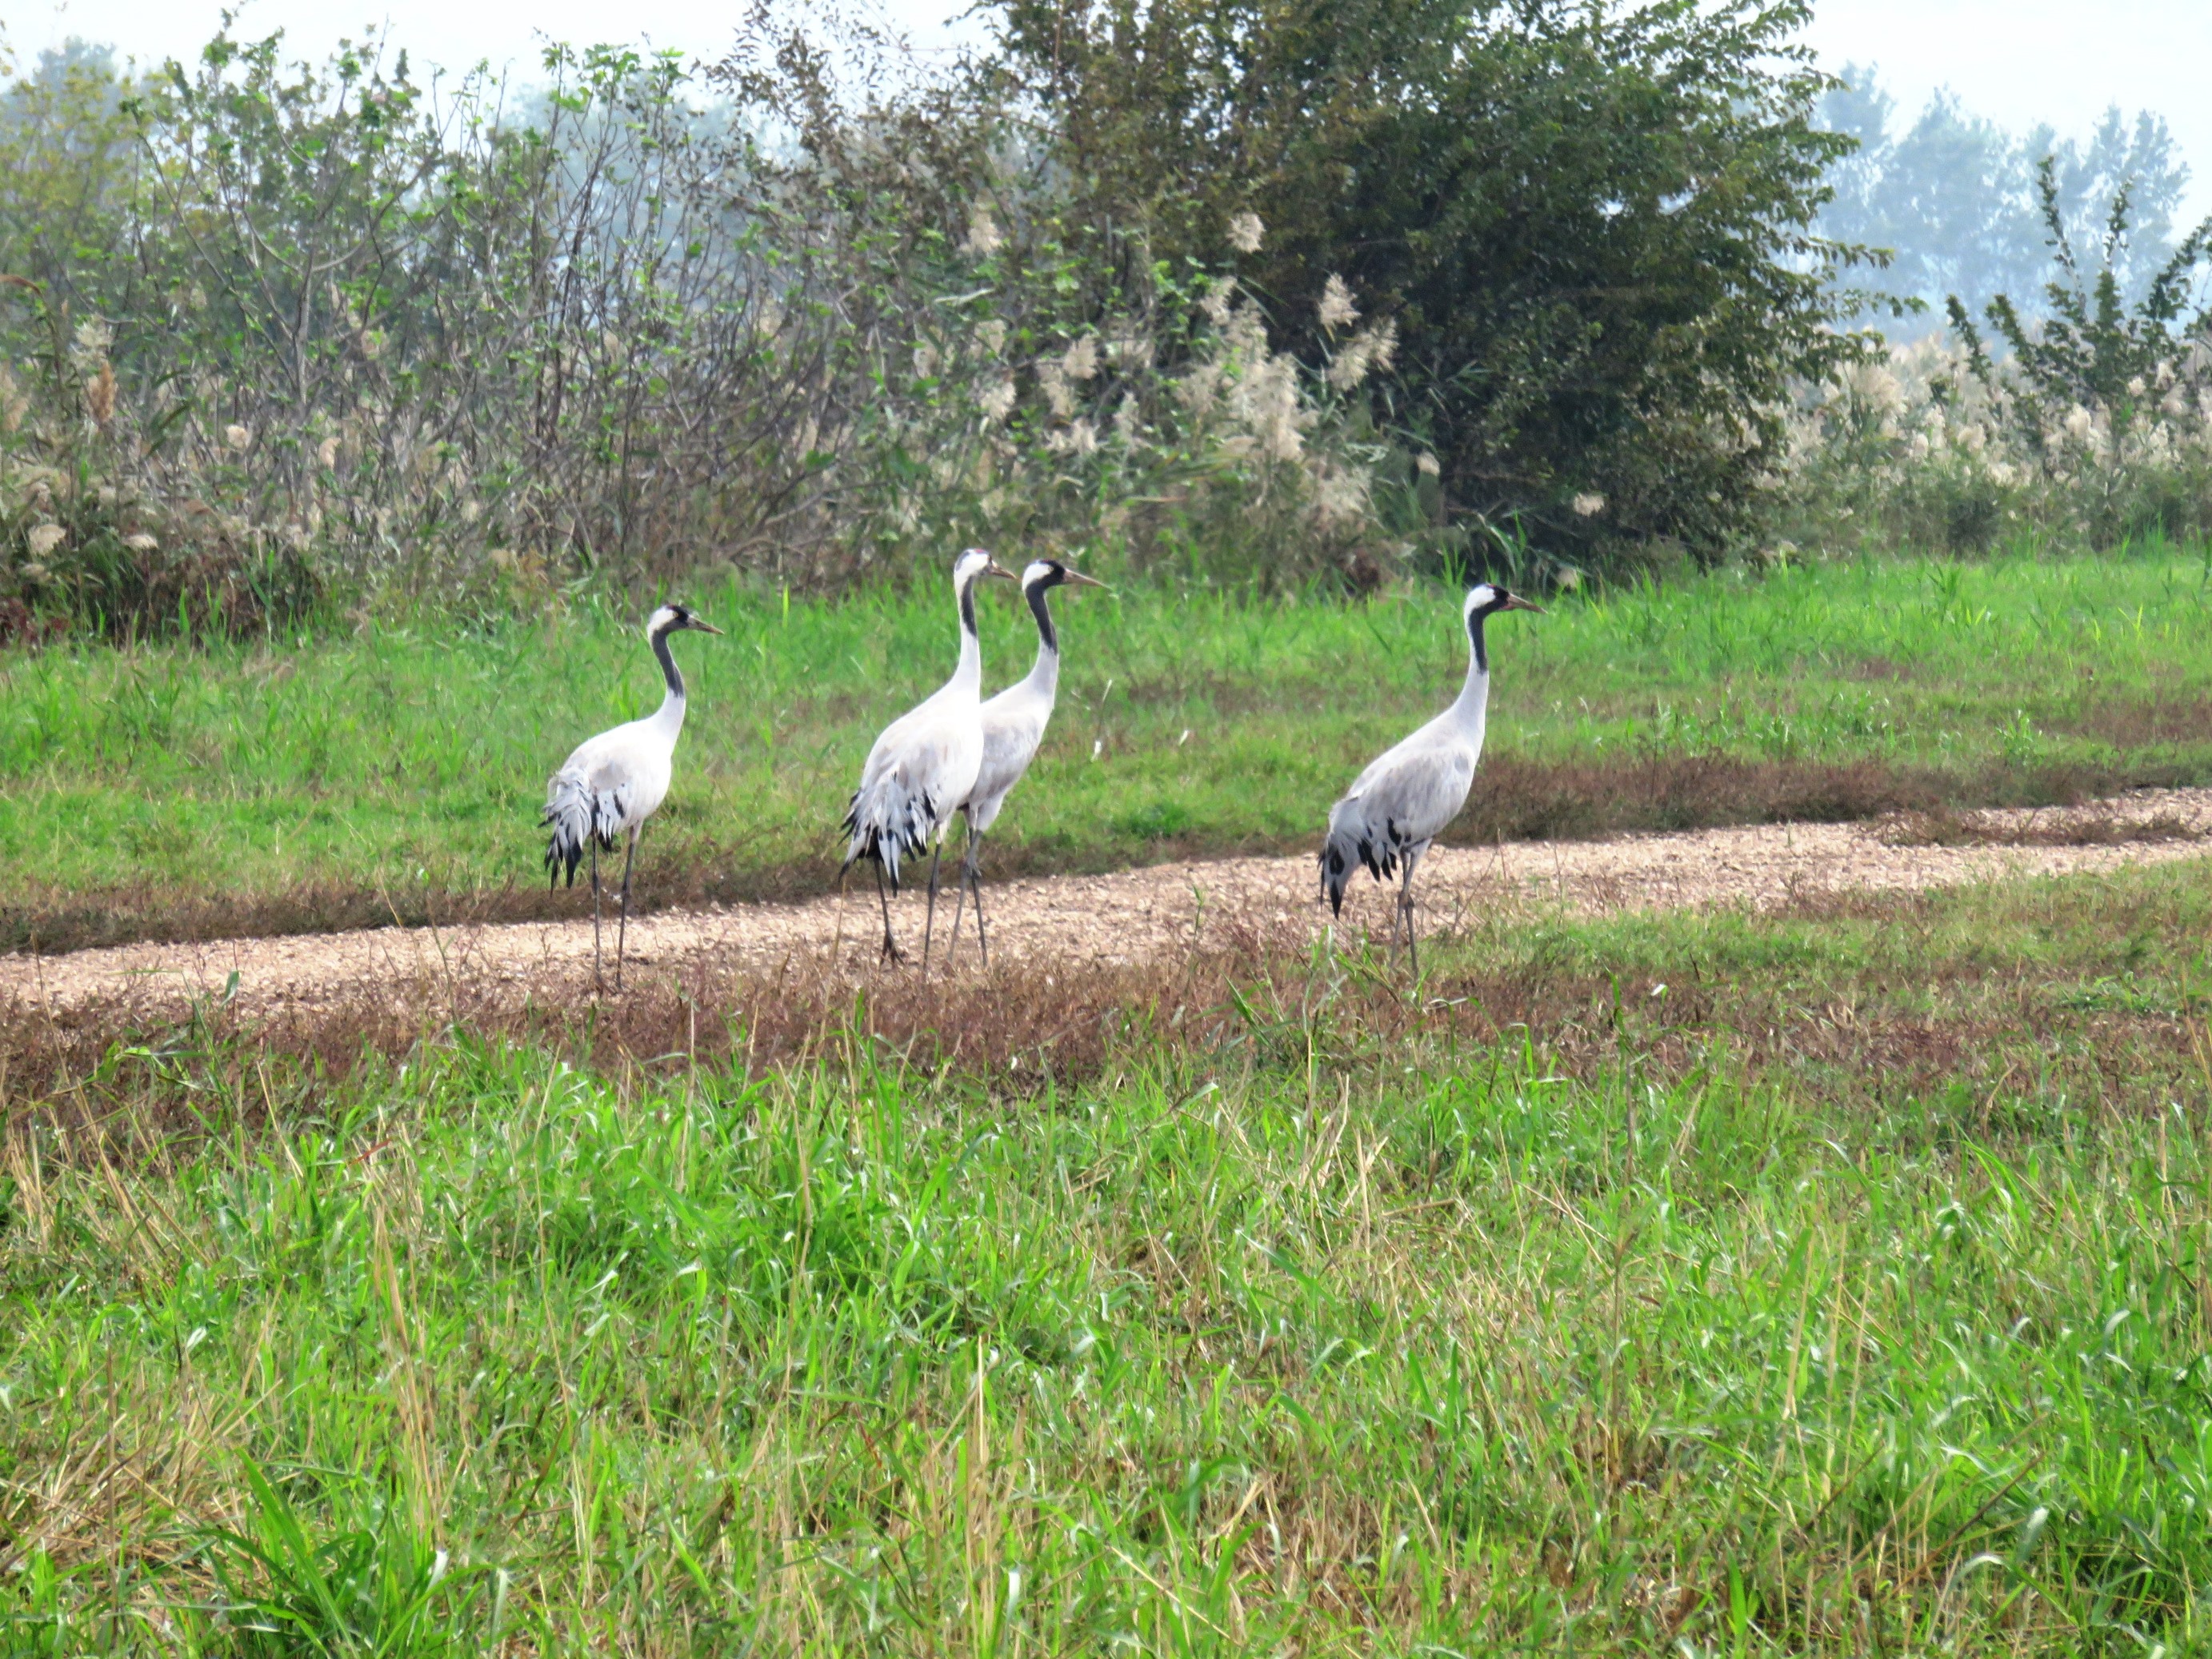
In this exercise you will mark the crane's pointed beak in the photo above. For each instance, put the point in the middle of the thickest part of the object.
(1515, 602)
(995, 568)
(1082, 580)
(697, 626)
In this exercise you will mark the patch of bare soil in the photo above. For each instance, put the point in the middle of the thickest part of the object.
(1133, 918)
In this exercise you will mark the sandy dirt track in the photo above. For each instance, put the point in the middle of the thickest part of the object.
(1136, 914)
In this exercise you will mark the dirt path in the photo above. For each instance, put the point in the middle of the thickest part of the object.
(1143, 913)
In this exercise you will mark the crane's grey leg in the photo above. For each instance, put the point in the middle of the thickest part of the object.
(890, 951)
(953, 945)
(1405, 906)
(929, 916)
(596, 980)
(976, 885)
(622, 930)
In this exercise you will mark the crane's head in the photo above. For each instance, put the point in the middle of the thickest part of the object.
(973, 564)
(1051, 572)
(673, 618)
(1488, 598)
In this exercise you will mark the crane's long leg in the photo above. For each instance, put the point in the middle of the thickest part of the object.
(929, 916)
(1406, 907)
(621, 929)
(890, 951)
(952, 946)
(976, 885)
(971, 878)
(596, 980)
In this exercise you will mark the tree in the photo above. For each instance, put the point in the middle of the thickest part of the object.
(1954, 196)
(1591, 225)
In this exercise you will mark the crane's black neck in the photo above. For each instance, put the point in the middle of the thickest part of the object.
(668, 664)
(968, 610)
(1043, 612)
(1475, 619)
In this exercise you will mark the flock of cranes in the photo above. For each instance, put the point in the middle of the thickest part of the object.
(956, 754)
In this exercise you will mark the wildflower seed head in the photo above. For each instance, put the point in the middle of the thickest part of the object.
(140, 542)
(1080, 361)
(99, 394)
(984, 236)
(44, 539)
(94, 337)
(1589, 506)
(1245, 232)
(1337, 310)
(1427, 464)
(996, 400)
(237, 438)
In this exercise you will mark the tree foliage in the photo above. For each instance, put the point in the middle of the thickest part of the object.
(1590, 225)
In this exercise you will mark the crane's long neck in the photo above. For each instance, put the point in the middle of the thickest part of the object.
(671, 717)
(1045, 673)
(1471, 708)
(968, 677)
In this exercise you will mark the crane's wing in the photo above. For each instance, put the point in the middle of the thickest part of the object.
(1400, 803)
(589, 800)
(919, 772)
(1013, 728)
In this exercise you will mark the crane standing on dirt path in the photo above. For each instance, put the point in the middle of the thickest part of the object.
(614, 781)
(924, 765)
(1404, 800)
(1013, 728)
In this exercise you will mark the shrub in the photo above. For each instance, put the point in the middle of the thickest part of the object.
(1589, 226)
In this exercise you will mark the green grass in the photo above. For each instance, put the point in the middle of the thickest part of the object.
(398, 771)
(1835, 1282)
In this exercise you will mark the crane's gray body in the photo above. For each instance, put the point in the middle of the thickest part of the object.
(925, 762)
(1407, 797)
(1014, 721)
(614, 781)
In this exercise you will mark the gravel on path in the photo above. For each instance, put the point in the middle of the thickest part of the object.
(1140, 914)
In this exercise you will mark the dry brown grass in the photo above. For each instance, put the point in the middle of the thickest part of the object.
(2101, 826)
(1860, 1026)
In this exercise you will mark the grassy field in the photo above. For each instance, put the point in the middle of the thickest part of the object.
(1831, 1282)
(396, 772)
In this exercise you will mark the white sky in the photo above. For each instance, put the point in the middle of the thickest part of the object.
(2018, 62)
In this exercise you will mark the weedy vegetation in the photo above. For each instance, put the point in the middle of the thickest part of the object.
(1829, 1281)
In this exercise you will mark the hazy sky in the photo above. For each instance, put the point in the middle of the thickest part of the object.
(2016, 61)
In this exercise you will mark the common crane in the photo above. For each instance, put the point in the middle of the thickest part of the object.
(1013, 726)
(614, 781)
(924, 765)
(1404, 800)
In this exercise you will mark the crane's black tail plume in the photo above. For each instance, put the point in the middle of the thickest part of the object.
(888, 825)
(580, 815)
(1351, 842)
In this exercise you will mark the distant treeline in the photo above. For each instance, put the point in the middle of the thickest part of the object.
(1954, 196)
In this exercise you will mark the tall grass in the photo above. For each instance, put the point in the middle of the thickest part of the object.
(297, 782)
(1667, 1281)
